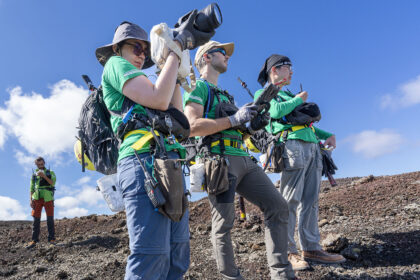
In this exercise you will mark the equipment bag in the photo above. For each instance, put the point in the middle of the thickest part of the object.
(273, 161)
(110, 190)
(168, 173)
(197, 177)
(304, 114)
(216, 175)
(95, 133)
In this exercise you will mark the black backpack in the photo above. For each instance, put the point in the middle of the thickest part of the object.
(95, 133)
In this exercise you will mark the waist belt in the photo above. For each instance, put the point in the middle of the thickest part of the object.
(227, 142)
(50, 188)
(297, 127)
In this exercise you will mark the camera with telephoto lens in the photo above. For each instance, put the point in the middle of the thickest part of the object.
(200, 26)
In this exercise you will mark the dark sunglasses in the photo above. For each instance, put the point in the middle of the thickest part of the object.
(220, 50)
(138, 49)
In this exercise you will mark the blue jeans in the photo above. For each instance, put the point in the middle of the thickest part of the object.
(160, 248)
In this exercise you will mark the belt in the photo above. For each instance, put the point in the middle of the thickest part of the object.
(298, 127)
(228, 142)
(136, 131)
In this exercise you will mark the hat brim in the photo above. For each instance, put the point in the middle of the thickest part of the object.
(229, 48)
(105, 52)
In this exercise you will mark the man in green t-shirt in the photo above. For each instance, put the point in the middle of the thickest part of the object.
(301, 178)
(42, 195)
(209, 117)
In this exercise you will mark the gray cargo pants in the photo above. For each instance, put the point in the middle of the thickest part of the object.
(299, 185)
(250, 181)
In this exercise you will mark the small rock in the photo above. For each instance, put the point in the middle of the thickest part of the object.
(254, 256)
(323, 222)
(122, 223)
(256, 228)
(62, 275)
(117, 230)
(334, 242)
(40, 269)
(351, 252)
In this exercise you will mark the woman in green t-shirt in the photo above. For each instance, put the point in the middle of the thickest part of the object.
(159, 247)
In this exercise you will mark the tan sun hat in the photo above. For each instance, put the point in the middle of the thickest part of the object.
(126, 30)
(229, 47)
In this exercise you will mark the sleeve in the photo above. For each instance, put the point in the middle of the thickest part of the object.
(53, 178)
(279, 109)
(322, 134)
(32, 188)
(118, 71)
(199, 95)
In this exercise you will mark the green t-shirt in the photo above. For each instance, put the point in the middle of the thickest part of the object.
(117, 72)
(200, 96)
(280, 108)
(38, 191)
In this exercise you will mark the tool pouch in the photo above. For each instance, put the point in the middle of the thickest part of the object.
(274, 159)
(168, 173)
(216, 174)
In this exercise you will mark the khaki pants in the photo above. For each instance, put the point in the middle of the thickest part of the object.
(250, 181)
(299, 185)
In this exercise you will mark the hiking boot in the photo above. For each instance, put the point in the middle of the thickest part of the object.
(298, 263)
(31, 245)
(52, 242)
(323, 257)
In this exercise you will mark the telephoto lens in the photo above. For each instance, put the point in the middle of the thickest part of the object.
(209, 18)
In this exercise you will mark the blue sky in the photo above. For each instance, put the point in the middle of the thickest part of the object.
(358, 60)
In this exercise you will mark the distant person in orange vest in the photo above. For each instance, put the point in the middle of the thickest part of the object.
(42, 195)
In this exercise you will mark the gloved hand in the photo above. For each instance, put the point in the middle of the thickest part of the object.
(259, 122)
(244, 114)
(187, 35)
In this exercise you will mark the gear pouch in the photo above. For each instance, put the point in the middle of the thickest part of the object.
(168, 173)
(216, 174)
(274, 160)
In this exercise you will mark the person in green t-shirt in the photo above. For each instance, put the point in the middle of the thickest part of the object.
(301, 178)
(159, 247)
(42, 195)
(220, 134)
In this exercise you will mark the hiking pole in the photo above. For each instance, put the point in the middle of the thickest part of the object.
(244, 85)
(242, 213)
(88, 82)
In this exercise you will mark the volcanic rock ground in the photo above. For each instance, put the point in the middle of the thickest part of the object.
(373, 221)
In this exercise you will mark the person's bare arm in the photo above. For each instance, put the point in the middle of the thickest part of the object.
(42, 174)
(154, 96)
(176, 100)
(201, 126)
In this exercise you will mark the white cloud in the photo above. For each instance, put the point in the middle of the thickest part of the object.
(90, 196)
(373, 144)
(2, 136)
(73, 212)
(24, 159)
(83, 180)
(10, 209)
(407, 94)
(67, 202)
(87, 196)
(44, 125)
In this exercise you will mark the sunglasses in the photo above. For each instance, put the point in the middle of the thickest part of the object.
(138, 49)
(288, 66)
(220, 50)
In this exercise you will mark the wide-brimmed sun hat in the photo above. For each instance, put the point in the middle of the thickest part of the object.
(126, 30)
